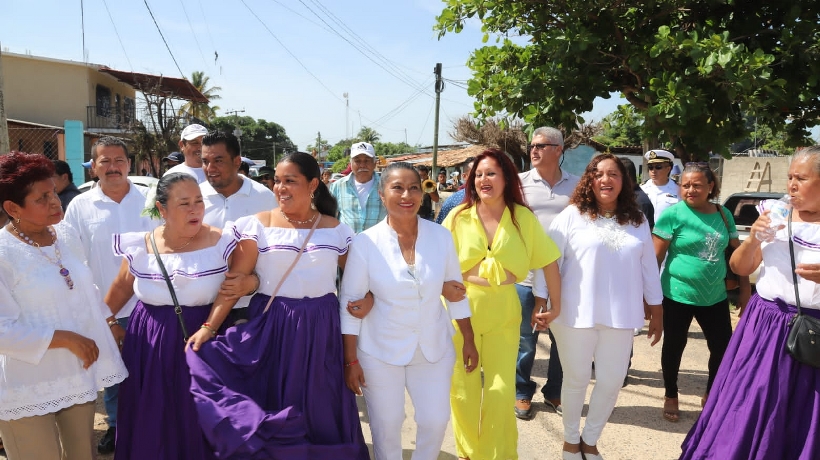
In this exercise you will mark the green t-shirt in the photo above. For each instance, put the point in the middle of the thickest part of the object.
(695, 264)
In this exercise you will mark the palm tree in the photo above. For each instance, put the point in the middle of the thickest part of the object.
(202, 110)
(368, 135)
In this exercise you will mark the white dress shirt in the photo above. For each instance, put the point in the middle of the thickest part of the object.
(199, 173)
(251, 198)
(408, 312)
(662, 196)
(607, 270)
(96, 217)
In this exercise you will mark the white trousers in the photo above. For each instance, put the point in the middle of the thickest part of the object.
(610, 348)
(429, 387)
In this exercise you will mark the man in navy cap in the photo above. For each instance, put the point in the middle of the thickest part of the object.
(662, 191)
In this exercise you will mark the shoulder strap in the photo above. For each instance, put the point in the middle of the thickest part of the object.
(292, 265)
(723, 217)
(177, 308)
(794, 275)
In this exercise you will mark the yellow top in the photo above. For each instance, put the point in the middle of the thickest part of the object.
(517, 250)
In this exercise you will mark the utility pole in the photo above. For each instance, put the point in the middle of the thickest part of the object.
(237, 132)
(347, 114)
(4, 127)
(439, 88)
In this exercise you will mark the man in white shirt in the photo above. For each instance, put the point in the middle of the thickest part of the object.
(227, 194)
(547, 189)
(358, 194)
(190, 144)
(662, 191)
(114, 206)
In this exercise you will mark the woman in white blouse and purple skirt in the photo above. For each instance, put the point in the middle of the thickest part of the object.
(405, 341)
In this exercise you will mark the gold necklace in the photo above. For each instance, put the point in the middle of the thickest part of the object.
(608, 214)
(298, 222)
(184, 245)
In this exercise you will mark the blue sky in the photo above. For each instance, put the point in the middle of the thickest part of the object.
(292, 68)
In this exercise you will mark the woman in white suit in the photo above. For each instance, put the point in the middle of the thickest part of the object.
(405, 341)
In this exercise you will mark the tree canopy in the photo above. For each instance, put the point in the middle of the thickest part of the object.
(260, 139)
(693, 69)
(202, 110)
(621, 128)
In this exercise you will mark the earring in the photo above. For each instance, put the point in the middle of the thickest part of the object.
(312, 204)
(18, 220)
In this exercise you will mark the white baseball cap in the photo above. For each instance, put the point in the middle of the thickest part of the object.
(193, 131)
(360, 148)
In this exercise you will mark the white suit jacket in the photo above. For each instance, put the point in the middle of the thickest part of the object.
(407, 312)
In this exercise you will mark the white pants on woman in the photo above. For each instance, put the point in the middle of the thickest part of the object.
(610, 348)
(429, 387)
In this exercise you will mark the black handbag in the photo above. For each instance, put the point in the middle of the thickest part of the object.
(803, 342)
(732, 280)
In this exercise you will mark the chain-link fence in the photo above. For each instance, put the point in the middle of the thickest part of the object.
(33, 138)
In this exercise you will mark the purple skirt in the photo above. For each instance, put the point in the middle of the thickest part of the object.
(763, 404)
(273, 388)
(157, 418)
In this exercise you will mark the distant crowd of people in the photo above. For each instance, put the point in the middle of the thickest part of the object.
(231, 319)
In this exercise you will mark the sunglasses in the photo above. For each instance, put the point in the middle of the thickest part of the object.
(532, 147)
(657, 166)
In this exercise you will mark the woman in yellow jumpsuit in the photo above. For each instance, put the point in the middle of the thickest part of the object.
(498, 240)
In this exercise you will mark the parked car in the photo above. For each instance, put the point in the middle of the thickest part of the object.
(743, 207)
(139, 181)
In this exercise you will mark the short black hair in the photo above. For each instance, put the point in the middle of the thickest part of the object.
(630, 169)
(108, 141)
(231, 142)
(244, 167)
(61, 167)
(423, 168)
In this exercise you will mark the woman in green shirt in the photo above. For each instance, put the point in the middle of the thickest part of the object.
(692, 236)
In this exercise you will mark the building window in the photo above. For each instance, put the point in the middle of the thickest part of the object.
(50, 150)
(128, 109)
(103, 101)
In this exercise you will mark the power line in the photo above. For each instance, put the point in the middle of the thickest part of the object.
(208, 29)
(118, 35)
(163, 38)
(421, 133)
(289, 52)
(191, 26)
(393, 71)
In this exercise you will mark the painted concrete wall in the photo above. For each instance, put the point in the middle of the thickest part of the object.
(50, 91)
(737, 171)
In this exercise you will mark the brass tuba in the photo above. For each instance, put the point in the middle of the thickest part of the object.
(428, 186)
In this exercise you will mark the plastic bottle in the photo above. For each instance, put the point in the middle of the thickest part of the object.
(779, 215)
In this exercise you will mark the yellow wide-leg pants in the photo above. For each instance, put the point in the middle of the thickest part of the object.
(483, 418)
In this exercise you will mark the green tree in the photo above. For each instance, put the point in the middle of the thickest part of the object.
(622, 127)
(202, 110)
(369, 135)
(692, 68)
(260, 139)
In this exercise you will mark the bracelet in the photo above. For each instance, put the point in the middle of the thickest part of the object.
(209, 328)
(355, 361)
(113, 323)
(258, 283)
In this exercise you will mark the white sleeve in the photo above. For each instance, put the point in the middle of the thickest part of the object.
(20, 341)
(355, 283)
(452, 272)
(539, 284)
(652, 291)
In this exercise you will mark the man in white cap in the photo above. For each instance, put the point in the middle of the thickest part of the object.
(358, 194)
(662, 191)
(190, 144)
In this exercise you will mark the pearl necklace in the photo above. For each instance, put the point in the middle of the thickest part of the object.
(59, 262)
(298, 222)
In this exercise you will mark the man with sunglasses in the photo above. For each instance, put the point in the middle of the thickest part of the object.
(547, 189)
(662, 191)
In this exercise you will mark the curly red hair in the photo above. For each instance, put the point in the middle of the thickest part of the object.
(19, 171)
(627, 210)
(513, 192)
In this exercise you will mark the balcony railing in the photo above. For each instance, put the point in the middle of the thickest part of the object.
(113, 118)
